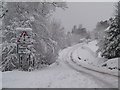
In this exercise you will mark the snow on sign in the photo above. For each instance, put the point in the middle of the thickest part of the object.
(24, 35)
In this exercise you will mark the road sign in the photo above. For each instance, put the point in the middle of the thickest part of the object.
(24, 35)
(24, 39)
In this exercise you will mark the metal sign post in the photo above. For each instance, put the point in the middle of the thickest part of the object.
(24, 38)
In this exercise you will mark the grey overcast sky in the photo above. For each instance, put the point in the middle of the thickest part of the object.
(85, 13)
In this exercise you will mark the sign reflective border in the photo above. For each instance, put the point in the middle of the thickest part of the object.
(24, 35)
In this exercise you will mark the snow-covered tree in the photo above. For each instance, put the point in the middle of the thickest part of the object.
(58, 34)
(78, 33)
(80, 30)
(99, 30)
(111, 43)
(33, 15)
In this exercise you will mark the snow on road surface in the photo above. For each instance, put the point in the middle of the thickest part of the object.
(107, 80)
(85, 56)
(62, 74)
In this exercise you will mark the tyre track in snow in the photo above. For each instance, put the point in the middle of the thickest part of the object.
(90, 68)
(83, 71)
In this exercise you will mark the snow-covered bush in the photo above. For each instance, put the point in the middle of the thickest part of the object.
(9, 57)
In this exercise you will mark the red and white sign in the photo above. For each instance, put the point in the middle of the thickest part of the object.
(24, 35)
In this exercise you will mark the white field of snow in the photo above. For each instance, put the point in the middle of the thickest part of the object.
(55, 77)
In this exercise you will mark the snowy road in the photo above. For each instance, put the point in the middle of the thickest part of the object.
(63, 74)
(103, 80)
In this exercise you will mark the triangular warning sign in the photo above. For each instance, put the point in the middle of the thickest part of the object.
(23, 37)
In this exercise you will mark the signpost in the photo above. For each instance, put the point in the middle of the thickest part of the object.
(24, 38)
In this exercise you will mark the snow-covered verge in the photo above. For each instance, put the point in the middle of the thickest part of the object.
(58, 75)
(86, 57)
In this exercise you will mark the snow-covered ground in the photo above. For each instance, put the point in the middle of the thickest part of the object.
(92, 45)
(58, 75)
(63, 74)
(86, 57)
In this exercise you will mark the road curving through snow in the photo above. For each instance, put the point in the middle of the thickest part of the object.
(89, 61)
(100, 78)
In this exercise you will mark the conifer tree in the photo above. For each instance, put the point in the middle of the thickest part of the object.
(111, 46)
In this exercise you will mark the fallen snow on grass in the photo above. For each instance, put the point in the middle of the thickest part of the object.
(56, 76)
